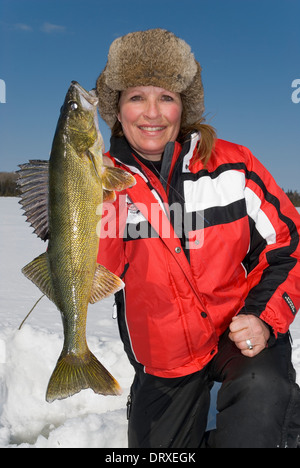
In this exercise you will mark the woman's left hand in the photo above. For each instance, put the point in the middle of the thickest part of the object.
(248, 331)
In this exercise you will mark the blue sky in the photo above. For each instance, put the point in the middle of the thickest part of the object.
(249, 51)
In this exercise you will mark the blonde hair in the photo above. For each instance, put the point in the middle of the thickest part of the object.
(207, 140)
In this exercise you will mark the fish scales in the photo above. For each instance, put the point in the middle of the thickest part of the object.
(78, 272)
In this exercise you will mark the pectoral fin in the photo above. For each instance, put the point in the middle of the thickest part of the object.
(109, 196)
(105, 284)
(114, 178)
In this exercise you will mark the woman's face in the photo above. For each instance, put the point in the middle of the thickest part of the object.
(150, 118)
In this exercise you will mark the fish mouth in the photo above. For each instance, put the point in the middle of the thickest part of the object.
(88, 101)
(85, 96)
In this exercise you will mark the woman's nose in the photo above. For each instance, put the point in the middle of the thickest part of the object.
(152, 109)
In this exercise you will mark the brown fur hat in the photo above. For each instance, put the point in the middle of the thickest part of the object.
(155, 57)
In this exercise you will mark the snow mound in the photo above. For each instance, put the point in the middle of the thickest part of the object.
(27, 360)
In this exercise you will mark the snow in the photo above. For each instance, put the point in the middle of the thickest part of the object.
(28, 357)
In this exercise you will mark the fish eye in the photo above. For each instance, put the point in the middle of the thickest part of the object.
(73, 105)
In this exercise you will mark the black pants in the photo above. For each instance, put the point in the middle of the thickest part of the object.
(258, 403)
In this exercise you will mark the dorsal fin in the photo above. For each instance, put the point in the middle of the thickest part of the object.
(32, 181)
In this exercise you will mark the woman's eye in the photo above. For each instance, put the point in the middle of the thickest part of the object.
(167, 98)
(136, 98)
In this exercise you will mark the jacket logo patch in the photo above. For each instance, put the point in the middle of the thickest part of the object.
(134, 215)
(290, 303)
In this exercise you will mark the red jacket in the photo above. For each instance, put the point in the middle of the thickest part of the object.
(196, 248)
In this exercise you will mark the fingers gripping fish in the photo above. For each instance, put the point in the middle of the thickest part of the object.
(61, 199)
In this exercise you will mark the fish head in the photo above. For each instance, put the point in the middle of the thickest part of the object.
(78, 118)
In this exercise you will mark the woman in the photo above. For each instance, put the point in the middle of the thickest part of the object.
(208, 247)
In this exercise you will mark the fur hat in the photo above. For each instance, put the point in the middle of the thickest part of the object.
(151, 58)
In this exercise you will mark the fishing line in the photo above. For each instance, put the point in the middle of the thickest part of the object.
(30, 312)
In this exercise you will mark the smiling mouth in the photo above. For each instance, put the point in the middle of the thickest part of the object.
(151, 129)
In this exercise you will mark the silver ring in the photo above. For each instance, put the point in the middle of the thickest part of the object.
(249, 344)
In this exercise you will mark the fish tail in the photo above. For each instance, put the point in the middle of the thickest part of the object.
(75, 373)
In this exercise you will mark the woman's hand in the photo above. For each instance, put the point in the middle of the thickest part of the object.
(248, 331)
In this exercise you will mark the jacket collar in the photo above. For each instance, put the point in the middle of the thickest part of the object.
(122, 152)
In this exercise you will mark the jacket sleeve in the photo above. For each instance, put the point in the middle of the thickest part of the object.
(273, 259)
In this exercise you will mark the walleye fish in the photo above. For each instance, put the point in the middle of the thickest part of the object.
(61, 199)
